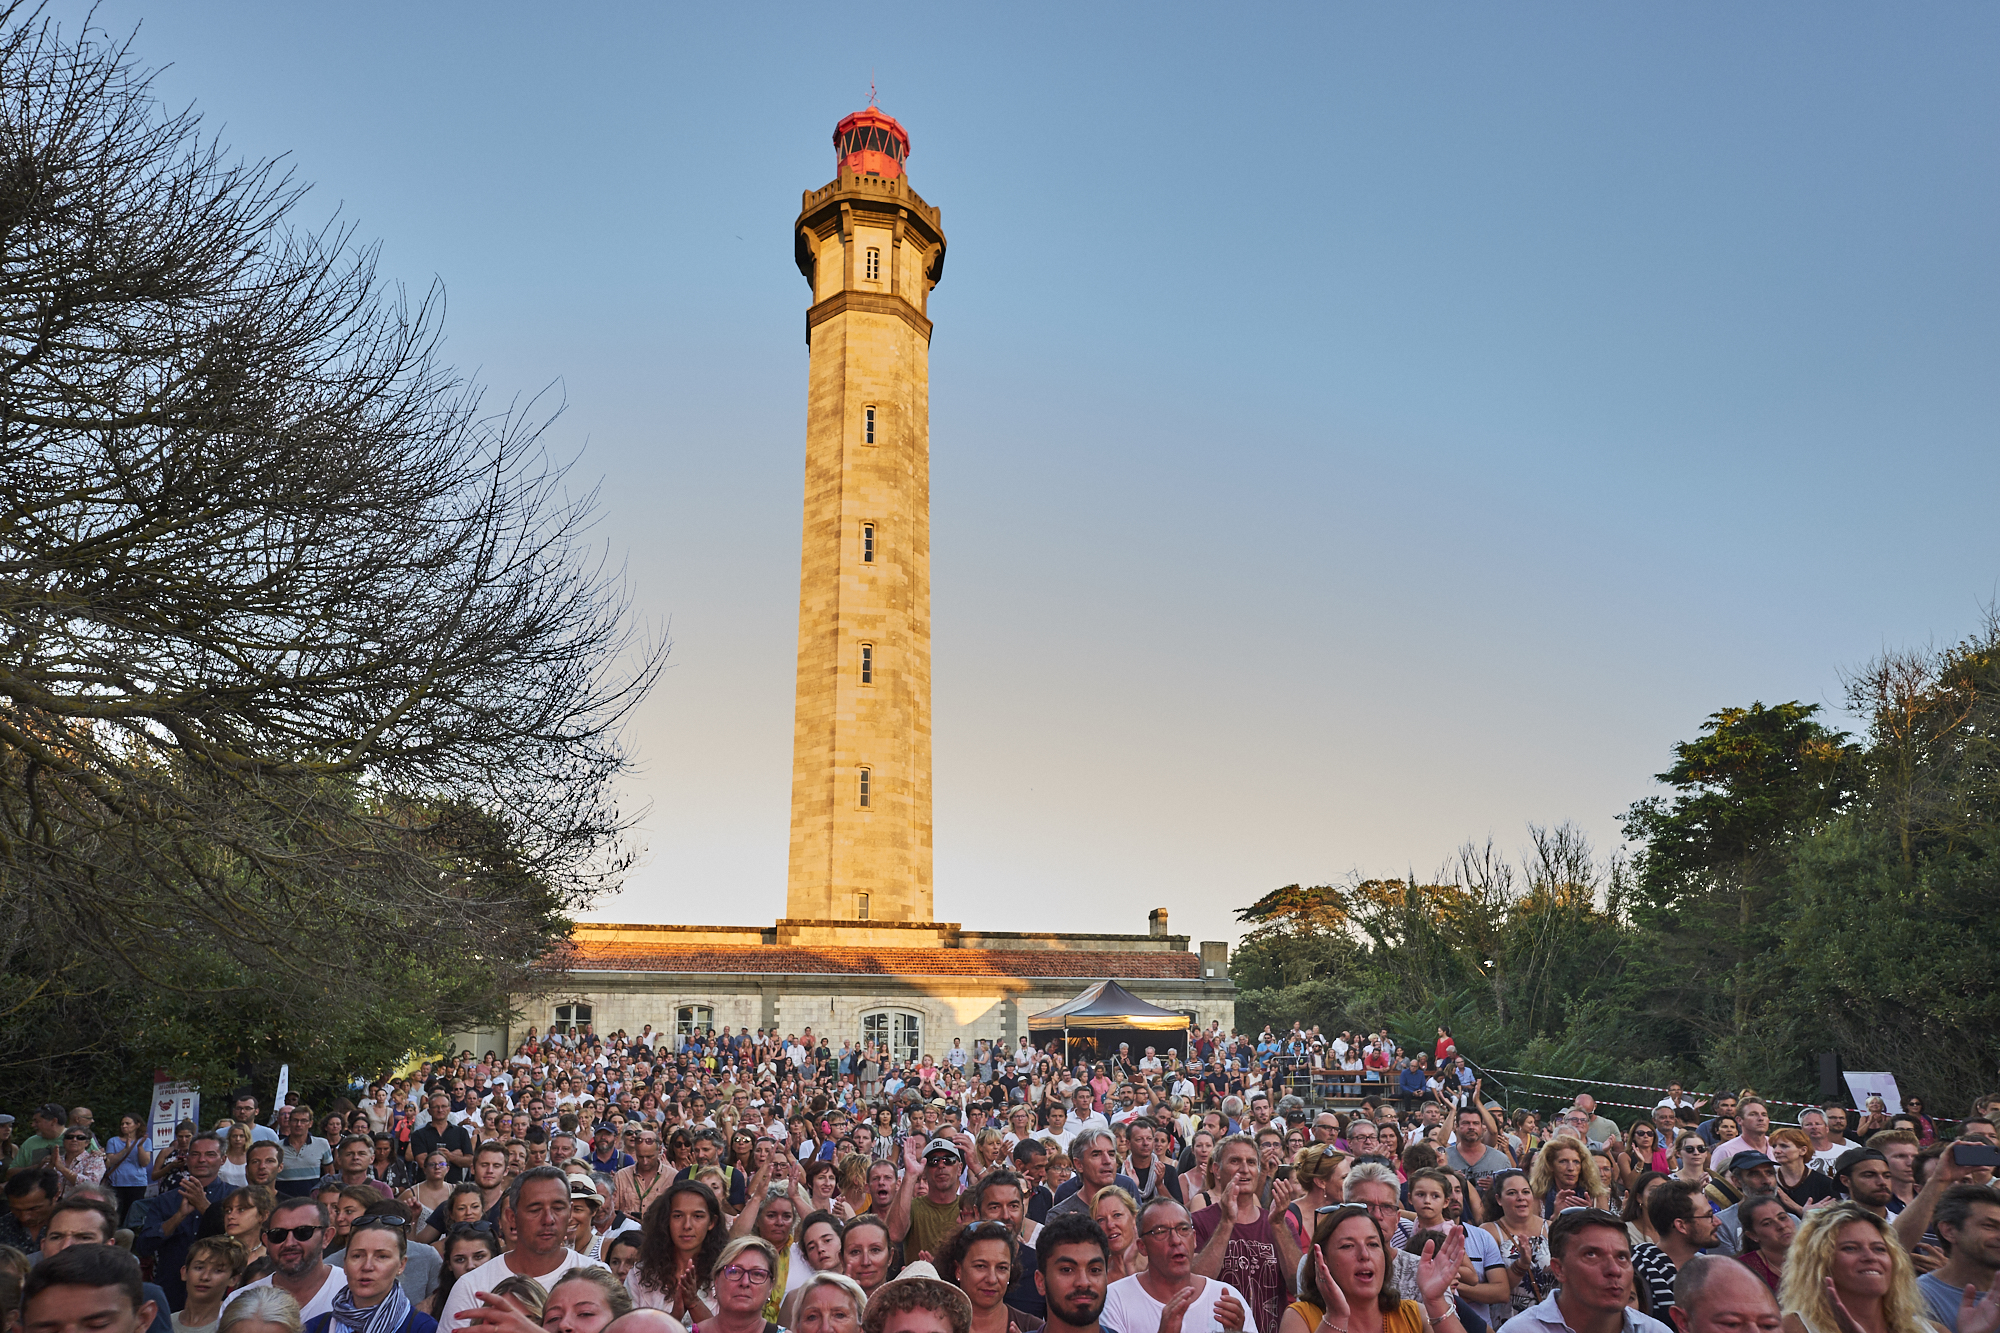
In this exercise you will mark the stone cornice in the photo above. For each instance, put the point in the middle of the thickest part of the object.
(869, 303)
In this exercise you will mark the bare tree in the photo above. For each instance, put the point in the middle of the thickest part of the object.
(299, 642)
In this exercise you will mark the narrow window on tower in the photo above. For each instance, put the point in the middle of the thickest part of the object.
(868, 425)
(867, 783)
(861, 906)
(874, 264)
(867, 664)
(867, 543)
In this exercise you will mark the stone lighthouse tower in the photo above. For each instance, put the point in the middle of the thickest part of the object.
(871, 249)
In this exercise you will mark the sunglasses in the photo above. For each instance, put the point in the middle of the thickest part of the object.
(383, 1220)
(278, 1235)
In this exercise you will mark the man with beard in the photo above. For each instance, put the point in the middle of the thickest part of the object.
(1074, 1256)
(1142, 1300)
(537, 1212)
(295, 1239)
(1864, 1175)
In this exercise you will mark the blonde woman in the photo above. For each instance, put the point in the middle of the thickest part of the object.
(1321, 1171)
(1846, 1271)
(1564, 1176)
(1118, 1213)
(989, 1152)
(236, 1157)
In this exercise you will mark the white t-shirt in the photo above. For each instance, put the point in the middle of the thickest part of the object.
(465, 1292)
(336, 1282)
(1128, 1306)
(1059, 1137)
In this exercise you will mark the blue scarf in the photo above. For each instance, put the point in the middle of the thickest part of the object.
(387, 1317)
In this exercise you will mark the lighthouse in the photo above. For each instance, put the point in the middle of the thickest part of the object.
(871, 251)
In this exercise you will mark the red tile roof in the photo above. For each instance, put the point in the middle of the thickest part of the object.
(599, 956)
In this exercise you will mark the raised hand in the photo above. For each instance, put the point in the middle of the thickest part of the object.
(1437, 1267)
(1176, 1310)
(497, 1314)
(913, 1153)
(1979, 1312)
(1336, 1306)
(1842, 1316)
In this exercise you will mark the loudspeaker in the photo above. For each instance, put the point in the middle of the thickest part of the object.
(1831, 1084)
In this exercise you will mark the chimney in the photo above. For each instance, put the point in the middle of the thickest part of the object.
(1215, 959)
(1156, 922)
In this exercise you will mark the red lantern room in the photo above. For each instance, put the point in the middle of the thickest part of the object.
(871, 143)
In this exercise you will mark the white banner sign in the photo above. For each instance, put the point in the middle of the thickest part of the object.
(172, 1103)
(1863, 1086)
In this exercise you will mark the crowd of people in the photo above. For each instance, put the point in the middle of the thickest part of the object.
(709, 1182)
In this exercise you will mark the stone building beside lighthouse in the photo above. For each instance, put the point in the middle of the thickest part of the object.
(859, 954)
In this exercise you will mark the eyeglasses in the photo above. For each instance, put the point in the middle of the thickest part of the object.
(1178, 1229)
(278, 1235)
(756, 1277)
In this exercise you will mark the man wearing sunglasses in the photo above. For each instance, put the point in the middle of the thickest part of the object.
(295, 1239)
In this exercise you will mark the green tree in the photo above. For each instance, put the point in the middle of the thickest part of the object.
(1711, 872)
(310, 685)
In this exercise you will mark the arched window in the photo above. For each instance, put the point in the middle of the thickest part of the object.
(861, 906)
(897, 1031)
(868, 426)
(570, 1017)
(867, 543)
(690, 1019)
(867, 664)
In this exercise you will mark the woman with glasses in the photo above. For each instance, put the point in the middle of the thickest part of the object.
(76, 1161)
(374, 1301)
(684, 1234)
(1691, 1152)
(1523, 1237)
(1640, 1153)
(1347, 1287)
(744, 1273)
(1926, 1129)
(433, 1189)
(979, 1260)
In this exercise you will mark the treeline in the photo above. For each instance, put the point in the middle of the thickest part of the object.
(309, 700)
(1800, 890)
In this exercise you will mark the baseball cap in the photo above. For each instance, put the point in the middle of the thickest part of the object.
(942, 1146)
(1749, 1160)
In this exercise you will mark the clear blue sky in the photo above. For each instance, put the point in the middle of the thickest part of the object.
(1355, 429)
